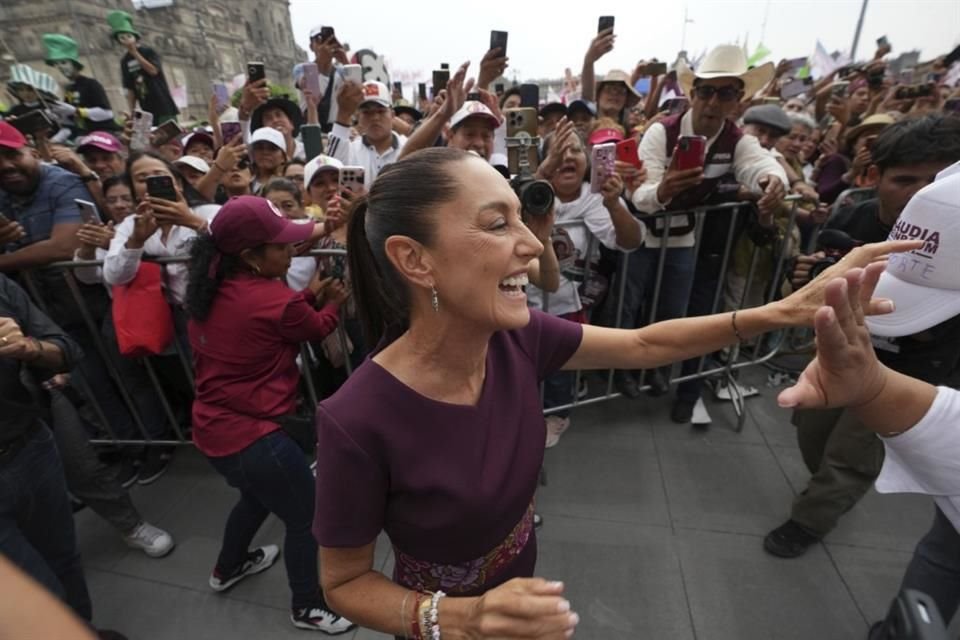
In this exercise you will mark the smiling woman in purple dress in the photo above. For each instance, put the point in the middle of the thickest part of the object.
(438, 437)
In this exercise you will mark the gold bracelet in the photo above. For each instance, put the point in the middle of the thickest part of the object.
(403, 614)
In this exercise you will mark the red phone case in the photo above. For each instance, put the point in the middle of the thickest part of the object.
(628, 151)
(690, 153)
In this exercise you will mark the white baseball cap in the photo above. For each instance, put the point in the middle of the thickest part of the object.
(473, 109)
(924, 284)
(318, 164)
(271, 135)
(194, 163)
(377, 92)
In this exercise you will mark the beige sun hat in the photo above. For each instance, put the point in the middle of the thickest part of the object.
(619, 76)
(726, 61)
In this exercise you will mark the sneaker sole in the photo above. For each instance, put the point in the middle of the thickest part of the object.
(226, 585)
(310, 627)
(152, 554)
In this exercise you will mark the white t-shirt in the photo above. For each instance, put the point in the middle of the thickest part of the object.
(578, 223)
(926, 458)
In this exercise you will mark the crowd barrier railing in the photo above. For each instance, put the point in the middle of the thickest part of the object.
(751, 354)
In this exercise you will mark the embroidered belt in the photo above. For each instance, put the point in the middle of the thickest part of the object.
(468, 576)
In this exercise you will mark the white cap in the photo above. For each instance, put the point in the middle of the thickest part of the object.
(474, 108)
(374, 91)
(271, 135)
(194, 163)
(924, 284)
(318, 164)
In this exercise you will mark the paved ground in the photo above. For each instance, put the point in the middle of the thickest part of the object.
(655, 528)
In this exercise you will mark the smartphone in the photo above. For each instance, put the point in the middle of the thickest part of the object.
(793, 89)
(690, 153)
(229, 130)
(839, 89)
(440, 79)
(422, 90)
(166, 132)
(255, 71)
(521, 123)
(603, 158)
(88, 211)
(32, 122)
(398, 87)
(498, 40)
(311, 80)
(445, 65)
(222, 95)
(604, 23)
(351, 179)
(629, 151)
(326, 33)
(882, 41)
(530, 95)
(352, 73)
(161, 187)
(498, 88)
(142, 124)
(656, 69)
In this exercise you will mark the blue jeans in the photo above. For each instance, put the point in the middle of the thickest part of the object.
(706, 280)
(273, 476)
(36, 522)
(641, 283)
(935, 566)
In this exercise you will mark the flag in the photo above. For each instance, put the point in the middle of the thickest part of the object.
(758, 55)
(822, 63)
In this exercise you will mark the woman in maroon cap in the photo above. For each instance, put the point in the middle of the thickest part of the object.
(245, 330)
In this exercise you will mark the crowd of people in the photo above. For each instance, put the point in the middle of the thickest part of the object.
(210, 281)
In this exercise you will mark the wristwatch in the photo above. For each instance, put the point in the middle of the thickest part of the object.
(90, 177)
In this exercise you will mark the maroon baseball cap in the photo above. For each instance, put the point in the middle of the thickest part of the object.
(10, 137)
(100, 140)
(247, 222)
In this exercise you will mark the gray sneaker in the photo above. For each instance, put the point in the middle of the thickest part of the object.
(153, 541)
(260, 559)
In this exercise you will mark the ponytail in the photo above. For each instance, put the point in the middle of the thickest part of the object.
(207, 270)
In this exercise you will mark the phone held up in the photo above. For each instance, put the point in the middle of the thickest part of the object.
(88, 211)
(351, 179)
(440, 79)
(690, 153)
(604, 23)
(629, 151)
(140, 135)
(498, 40)
(603, 158)
(161, 187)
(256, 71)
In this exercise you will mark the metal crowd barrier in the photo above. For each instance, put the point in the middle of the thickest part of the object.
(756, 353)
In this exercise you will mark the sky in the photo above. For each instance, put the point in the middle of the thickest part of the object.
(546, 37)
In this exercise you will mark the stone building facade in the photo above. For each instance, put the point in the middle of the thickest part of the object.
(199, 41)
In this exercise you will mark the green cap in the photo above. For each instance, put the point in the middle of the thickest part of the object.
(121, 22)
(61, 47)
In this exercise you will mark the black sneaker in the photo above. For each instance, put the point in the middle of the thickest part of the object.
(260, 559)
(155, 463)
(320, 619)
(789, 540)
(682, 411)
(128, 473)
(626, 384)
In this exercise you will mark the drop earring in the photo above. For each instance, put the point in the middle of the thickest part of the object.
(434, 299)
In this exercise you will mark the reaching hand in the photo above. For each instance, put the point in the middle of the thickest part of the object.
(229, 155)
(253, 95)
(523, 608)
(313, 102)
(601, 45)
(492, 66)
(349, 97)
(773, 194)
(846, 370)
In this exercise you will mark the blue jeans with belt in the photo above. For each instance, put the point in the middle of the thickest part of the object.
(36, 521)
(273, 476)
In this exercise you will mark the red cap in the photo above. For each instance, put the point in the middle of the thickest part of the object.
(605, 135)
(10, 137)
(246, 222)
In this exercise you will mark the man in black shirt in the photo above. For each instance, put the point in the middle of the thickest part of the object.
(141, 72)
(843, 456)
(36, 522)
(84, 98)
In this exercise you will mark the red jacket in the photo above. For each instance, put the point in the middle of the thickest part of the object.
(244, 359)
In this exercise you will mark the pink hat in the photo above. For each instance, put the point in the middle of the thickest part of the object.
(604, 135)
(100, 140)
(246, 222)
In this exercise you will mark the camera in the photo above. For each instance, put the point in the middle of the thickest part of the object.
(834, 244)
(536, 196)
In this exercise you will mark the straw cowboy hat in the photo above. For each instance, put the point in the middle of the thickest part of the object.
(725, 61)
(616, 76)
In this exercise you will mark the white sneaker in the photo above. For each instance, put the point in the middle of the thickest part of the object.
(153, 541)
(260, 559)
(555, 428)
(320, 619)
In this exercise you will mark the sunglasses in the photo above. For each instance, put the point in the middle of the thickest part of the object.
(724, 94)
(243, 164)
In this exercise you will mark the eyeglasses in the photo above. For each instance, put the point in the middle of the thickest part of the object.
(724, 94)
(243, 164)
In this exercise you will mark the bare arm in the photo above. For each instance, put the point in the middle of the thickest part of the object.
(28, 610)
(131, 101)
(448, 103)
(60, 246)
(148, 67)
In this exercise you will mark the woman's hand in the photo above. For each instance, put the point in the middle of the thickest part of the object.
(144, 226)
(95, 235)
(449, 101)
(522, 608)
(801, 306)
(229, 155)
(632, 176)
(611, 190)
(174, 212)
(846, 371)
(562, 138)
